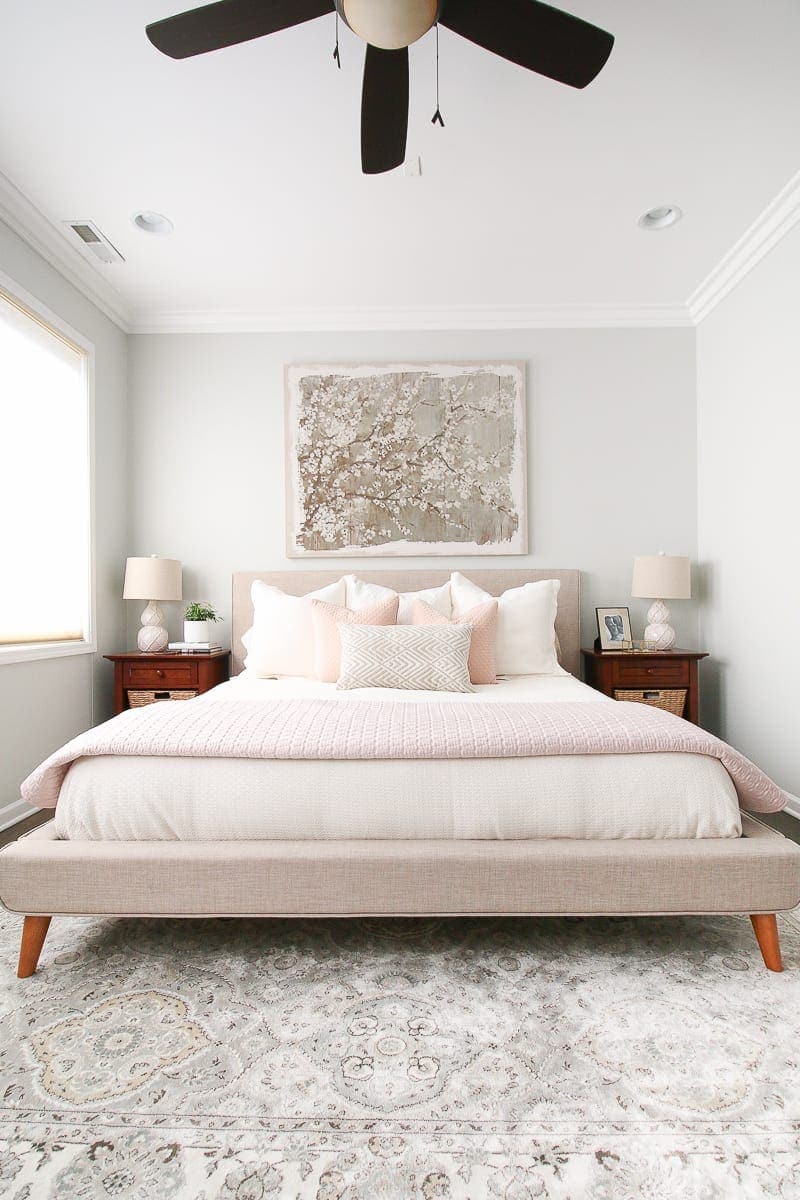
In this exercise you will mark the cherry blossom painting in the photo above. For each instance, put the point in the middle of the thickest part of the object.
(406, 459)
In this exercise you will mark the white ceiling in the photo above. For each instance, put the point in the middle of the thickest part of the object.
(528, 197)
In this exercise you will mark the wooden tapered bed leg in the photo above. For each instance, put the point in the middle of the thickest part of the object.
(766, 930)
(34, 931)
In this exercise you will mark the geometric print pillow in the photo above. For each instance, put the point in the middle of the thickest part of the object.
(423, 658)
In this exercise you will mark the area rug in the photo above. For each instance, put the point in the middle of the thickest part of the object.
(390, 1059)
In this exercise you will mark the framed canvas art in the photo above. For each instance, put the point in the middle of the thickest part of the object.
(410, 459)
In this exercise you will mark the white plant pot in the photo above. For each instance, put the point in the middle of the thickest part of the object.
(197, 631)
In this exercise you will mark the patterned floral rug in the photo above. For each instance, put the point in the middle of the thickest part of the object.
(385, 1060)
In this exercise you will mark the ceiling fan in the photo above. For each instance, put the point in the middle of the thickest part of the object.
(527, 32)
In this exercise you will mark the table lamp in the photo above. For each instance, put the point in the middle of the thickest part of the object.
(152, 579)
(661, 577)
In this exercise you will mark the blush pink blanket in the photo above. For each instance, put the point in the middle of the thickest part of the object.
(364, 729)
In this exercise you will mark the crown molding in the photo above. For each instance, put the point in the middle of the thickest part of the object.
(766, 231)
(22, 216)
(340, 320)
(25, 219)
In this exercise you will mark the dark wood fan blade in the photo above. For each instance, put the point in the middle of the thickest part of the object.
(536, 36)
(229, 22)
(384, 110)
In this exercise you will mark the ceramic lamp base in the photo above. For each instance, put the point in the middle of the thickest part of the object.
(659, 634)
(153, 636)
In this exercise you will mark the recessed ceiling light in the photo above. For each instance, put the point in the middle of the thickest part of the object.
(660, 217)
(152, 222)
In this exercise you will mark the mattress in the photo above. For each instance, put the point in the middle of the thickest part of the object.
(637, 796)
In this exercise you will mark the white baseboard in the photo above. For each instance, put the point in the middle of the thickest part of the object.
(18, 810)
(793, 807)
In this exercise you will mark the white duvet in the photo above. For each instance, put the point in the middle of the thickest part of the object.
(571, 796)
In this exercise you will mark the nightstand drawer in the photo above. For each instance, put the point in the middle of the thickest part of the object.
(648, 672)
(144, 678)
(164, 675)
(665, 680)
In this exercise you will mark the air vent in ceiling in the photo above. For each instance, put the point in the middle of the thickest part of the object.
(95, 241)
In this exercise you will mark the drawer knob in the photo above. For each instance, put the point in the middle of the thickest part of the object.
(159, 673)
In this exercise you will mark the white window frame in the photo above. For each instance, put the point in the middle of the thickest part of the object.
(31, 651)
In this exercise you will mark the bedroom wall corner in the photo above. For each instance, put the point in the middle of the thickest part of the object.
(46, 702)
(748, 432)
(611, 447)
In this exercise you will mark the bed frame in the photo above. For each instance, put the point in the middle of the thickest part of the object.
(757, 874)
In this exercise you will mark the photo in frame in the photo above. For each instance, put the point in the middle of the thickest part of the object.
(614, 629)
(406, 459)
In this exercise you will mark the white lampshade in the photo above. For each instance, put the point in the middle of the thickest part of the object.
(662, 577)
(152, 578)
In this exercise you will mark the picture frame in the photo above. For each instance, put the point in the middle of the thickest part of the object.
(404, 458)
(614, 629)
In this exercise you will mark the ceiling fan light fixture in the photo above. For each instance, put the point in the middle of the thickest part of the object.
(530, 33)
(660, 217)
(389, 24)
(152, 222)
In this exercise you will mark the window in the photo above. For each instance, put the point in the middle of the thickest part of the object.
(45, 502)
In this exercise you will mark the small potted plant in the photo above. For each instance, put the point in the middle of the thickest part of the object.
(197, 621)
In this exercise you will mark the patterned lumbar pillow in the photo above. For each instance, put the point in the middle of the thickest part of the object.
(432, 658)
(483, 619)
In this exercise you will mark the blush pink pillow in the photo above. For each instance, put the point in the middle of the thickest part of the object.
(327, 643)
(483, 619)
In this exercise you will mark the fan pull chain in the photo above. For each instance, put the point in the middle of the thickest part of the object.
(336, 57)
(437, 118)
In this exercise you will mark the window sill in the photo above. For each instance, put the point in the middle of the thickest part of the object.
(22, 652)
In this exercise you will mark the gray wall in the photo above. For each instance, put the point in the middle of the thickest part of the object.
(44, 703)
(611, 438)
(749, 431)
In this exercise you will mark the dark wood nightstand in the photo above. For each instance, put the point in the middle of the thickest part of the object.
(168, 675)
(626, 675)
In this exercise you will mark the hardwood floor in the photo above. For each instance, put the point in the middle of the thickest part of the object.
(14, 831)
(788, 826)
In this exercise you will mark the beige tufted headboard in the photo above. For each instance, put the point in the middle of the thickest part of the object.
(492, 580)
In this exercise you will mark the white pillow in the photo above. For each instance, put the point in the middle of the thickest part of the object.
(526, 638)
(427, 658)
(364, 595)
(281, 639)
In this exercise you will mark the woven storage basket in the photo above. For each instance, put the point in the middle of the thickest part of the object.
(672, 699)
(137, 699)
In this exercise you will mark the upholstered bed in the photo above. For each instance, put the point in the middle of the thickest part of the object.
(608, 834)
